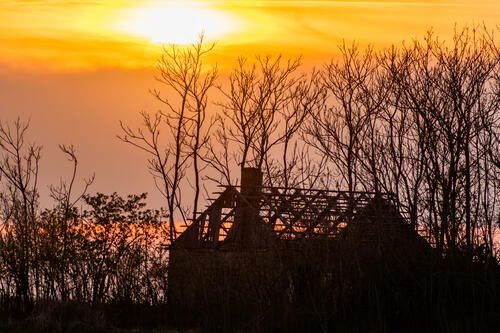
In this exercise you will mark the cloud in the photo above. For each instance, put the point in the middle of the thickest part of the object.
(330, 3)
(50, 3)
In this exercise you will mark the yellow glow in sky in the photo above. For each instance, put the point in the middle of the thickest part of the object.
(176, 22)
(92, 34)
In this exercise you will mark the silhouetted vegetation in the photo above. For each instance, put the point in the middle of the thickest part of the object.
(419, 121)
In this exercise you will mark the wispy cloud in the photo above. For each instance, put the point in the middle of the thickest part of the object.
(330, 3)
(49, 3)
(80, 31)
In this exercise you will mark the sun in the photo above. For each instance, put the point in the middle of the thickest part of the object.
(176, 22)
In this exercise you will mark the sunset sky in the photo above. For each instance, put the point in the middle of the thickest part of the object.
(92, 34)
(75, 68)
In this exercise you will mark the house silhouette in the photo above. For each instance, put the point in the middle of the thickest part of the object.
(256, 248)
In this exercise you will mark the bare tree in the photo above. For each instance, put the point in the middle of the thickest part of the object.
(460, 78)
(266, 103)
(340, 130)
(176, 153)
(19, 167)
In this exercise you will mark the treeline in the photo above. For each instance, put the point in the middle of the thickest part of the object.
(420, 120)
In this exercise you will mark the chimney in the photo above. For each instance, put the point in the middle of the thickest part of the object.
(251, 181)
(244, 233)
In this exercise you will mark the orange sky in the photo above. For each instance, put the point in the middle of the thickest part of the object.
(92, 34)
(76, 67)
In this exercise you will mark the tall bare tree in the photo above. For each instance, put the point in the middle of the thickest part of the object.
(266, 104)
(174, 155)
(19, 166)
(340, 130)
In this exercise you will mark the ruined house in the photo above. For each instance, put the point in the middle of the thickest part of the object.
(259, 248)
